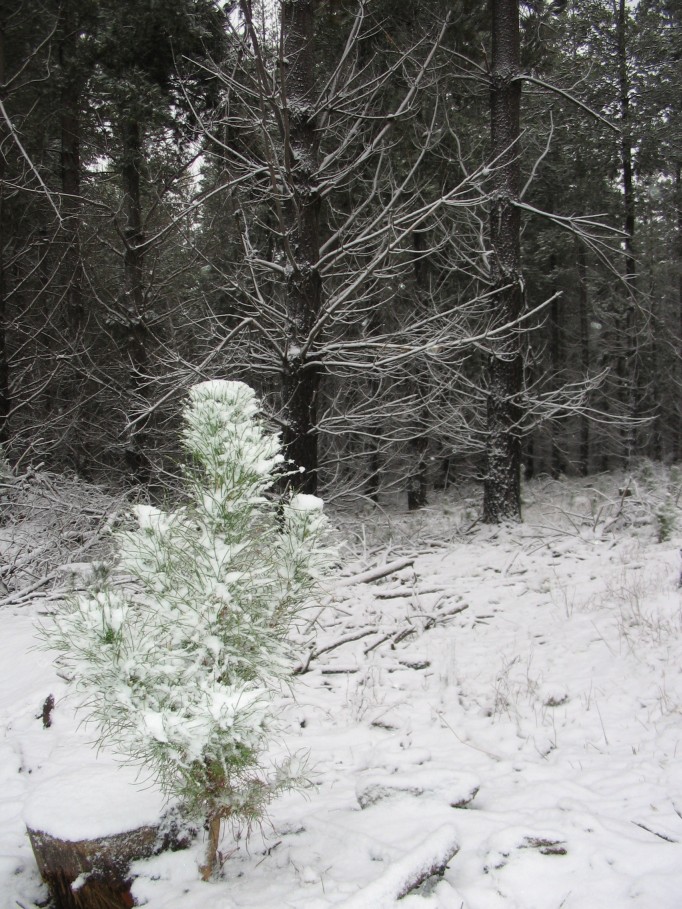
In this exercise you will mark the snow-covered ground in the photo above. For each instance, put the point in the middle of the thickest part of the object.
(516, 688)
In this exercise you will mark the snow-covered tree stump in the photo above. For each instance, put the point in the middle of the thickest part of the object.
(86, 827)
(91, 874)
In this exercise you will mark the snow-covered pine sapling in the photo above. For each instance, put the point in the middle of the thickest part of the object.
(181, 645)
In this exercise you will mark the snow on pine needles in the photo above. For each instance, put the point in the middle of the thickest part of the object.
(518, 688)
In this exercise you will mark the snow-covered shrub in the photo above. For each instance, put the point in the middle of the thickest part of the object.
(5, 467)
(179, 647)
(666, 519)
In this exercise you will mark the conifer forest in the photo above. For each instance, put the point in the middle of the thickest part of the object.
(340, 454)
(440, 240)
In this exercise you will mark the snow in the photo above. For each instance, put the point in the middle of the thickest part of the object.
(540, 664)
(102, 798)
(303, 502)
(382, 893)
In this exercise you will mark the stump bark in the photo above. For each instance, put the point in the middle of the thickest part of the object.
(87, 823)
(92, 874)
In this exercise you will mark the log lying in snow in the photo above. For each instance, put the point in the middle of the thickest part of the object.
(430, 858)
(455, 789)
(86, 826)
(375, 574)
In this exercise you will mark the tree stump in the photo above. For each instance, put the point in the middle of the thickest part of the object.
(92, 874)
(86, 827)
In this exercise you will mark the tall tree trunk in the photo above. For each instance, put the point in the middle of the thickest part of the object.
(502, 486)
(70, 161)
(418, 445)
(677, 415)
(4, 364)
(372, 484)
(300, 373)
(136, 331)
(72, 369)
(556, 356)
(628, 361)
(417, 481)
(583, 315)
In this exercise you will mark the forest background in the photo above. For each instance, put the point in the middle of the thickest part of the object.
(439, 240)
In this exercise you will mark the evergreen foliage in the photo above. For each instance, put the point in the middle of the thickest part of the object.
(179, 647)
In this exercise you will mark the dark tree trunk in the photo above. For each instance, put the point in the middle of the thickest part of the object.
(136, 332)
(4, 364)
(70, 160)
(300, 373)
(502, 486)
(418, 446)
(556, 356)
(628, 362)
(374, 473)
(529, 454)
(657, 380)
(583, 315)
(71, 370)
(417, 481)
(678, 413)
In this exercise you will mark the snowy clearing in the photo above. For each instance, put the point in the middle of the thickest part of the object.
(517, 690)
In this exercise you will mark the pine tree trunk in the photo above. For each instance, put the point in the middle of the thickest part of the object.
(677, 416)
(583, 315)
(417, 481)
(210, 866)
(136, 333)
(557, 363)
(72, 370)
(4, 364)
(502, 485)
(374, 471)
(628, 362)
(70, 160)
(300, 374)
(418, 446)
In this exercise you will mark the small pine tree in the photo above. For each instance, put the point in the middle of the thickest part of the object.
(181, 644)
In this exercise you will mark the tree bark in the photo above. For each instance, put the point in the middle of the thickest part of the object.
(417, 481)
(678, 204)
(418, 446)
(628, 361)
(4, 364)
(71, 370)
(211, 863)
(556, 354)
(92, 874)
(583, 315)
(70, 161)
(136, 333)
(303, 291)
(502, 486)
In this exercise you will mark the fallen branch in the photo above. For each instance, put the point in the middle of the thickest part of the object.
(303, 667)
(661, 836)
(386, 637)
(442, 616)
(18, 563)
(374, 574)
(394, 594)
(19, 597)
(405, 633)
(428, 859)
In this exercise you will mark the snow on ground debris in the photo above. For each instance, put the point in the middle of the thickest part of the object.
(532, 675)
